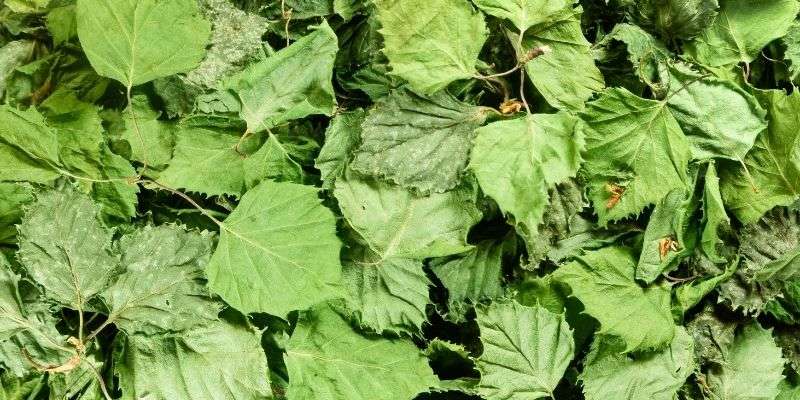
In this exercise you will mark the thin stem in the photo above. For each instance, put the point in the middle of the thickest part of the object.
(99, 329)
(522, 75)
(287, 15)
(246, 134)
(80, 324)
(100, 381)
(497, 75)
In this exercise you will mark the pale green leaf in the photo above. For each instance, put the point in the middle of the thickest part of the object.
(150, 139)
(12, 55)
(222, 361)
(603, 280)
(418, 142)
(772, 174)
(25, 332)
(12, 313)
(341, 139)
(517, 161)
(739, 32)
(526, 13)
(565, 74)
(399, 224)
(62, 24)
(293, 83)
(328, 360)
(712, 336)
(28, 148)
(163, 286)
(658, 375)
(720, 119)
(525, 351)
(65, 247)
(137, 41)
(633, 146)
(201, 153)
(431, 43)
(752, 367)
(235, 41)
(277, 252)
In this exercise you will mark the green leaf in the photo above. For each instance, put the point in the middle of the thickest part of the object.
(277, 252)
(676, 19)
(690, 294)
(473, 276)
(715, 220)
(281, 158)
(418, 142)
(11, 308)
(14, 196)
(387, 295)
(792, 53)
(720, 119)
(293, 83)
(201, 153)
(517, 161)
(138, 41)
(34, 151)
(603, 280)
(635, 147)
(62, 24)
(235, 41)
(525, 351)
(12, 55)
(65, 247)
(770, 174)
(712, 336)
(752, 367)
(14, 388)
(341, 139)
(739, 33)
(526, 13)
(218, 361)
(431, 43)
(399, 224)
(770, 252)
(328, 360)
(565, 74)
(646, 376)
(788, 391)
(25, 335)
(669, 236)
(150, 139)
(163, 286)
(28, 148)
(645, 52)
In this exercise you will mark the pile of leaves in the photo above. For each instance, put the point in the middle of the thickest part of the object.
(399, 199)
